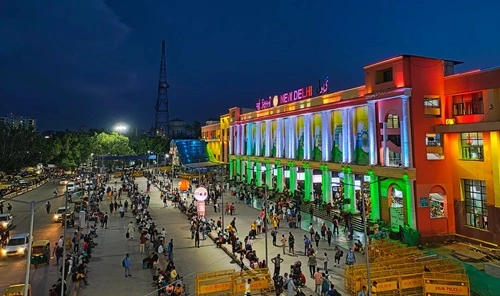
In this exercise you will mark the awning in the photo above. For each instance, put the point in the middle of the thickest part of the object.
(201, 165)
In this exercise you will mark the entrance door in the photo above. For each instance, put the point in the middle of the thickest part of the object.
(396, 207)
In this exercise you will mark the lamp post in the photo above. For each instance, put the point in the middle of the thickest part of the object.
(32, 205)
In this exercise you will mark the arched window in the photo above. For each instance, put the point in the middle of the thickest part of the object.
(392, 121)
(437, 201)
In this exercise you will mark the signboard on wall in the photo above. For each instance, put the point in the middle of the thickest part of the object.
(288, 97)
(424, 202)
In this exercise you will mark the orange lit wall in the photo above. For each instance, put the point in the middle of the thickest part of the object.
(427, 79)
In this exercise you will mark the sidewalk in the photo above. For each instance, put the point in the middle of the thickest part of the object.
(246, 214)
(106, 275)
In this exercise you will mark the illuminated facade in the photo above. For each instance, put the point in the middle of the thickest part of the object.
(216, 134)
(418, 141)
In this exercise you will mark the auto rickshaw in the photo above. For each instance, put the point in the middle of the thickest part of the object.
(40, 252)
(17, 290)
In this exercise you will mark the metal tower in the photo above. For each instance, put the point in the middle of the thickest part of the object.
(161, 107)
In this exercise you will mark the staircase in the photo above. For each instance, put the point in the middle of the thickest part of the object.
(394, 143)
(356, 222)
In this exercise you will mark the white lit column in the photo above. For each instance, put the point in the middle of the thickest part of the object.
(258, 139)
(231, 139)
(307, 136)
(269, 139)
(347, 135)
(279, 137)
(242, 139)
(292, 137)
(326, 136)
(372, 133)
(405, 132)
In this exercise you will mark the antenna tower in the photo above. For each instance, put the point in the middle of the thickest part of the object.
(162, 117)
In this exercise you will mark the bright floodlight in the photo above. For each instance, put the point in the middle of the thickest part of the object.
(121, 127)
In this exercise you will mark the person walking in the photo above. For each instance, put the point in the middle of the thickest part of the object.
(316, 239)
(325, 263)
(248, 285)
(170, 249)
(142, 241)
(283, 243)
(130, 230)
(277, 264)
(311, 262)
(105, 220)
(126, 263)
(58, 252)
(329, 236)
(291, 243)
(197, 239)
(274, 233)
(318, 280)
(288, 285)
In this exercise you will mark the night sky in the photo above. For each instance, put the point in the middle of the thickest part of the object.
(94, 63)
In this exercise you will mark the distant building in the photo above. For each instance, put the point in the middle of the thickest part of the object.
(178, 128)
(216, 134)
(13, 120)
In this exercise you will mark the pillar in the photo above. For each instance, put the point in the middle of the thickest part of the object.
(231, 140)
(326, 136)
(231, 169)
(293, 176)
(349, 190)
(308, 182)
(249, 171)
(372, 133)
(292, 146)
(374, 197)
(279, 137)
(279, 176)
(242, 139)
(269, 175)
(495, 165)
(349, 134)
(405, 133)
(345, 135)
(238, 169)
(249, 138)
(326, 183)
(258, 173)
(269, 139)
(258, 138)
(307, 136)
(409, 202)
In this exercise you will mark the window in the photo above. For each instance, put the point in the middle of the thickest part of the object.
(433, 140)
(392, 121)
(434, 147)
(432, 106)
(383, 76)
(394, 158)
(468, 104)
(472, 146)
(476, 210)
(437, 205)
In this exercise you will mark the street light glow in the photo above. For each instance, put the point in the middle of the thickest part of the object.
(121, 127)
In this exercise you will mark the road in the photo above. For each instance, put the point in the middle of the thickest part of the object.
(13, 269)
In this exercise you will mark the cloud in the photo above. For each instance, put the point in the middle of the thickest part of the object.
(74, 44)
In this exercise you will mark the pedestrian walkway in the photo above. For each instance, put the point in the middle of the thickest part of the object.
(246, 214)
(106, 275)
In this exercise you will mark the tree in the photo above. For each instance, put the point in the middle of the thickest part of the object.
(20, 147)
(144, 143)
(196, 127)
(112, 144)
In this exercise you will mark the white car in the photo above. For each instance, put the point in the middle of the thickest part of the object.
(17, 245)
(70, 187)
(5, 221)
(58, 216)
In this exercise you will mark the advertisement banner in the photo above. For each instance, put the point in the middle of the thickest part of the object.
(317, 137)
(362, 149)
(299, 138)
(336, 128)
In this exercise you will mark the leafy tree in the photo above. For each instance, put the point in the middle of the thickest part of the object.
(196, 127)
(144, 143)
(20, 147)
(112, 144)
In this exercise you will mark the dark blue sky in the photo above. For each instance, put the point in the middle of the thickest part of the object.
(95, 62)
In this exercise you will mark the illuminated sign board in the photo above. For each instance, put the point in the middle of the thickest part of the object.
(288, 97)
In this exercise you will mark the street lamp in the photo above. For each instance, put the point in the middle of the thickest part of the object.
(32, 205)
(120, 128)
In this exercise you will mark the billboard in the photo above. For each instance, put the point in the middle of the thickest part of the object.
(336, 128)
(317, 138)
(360, 128)
(299, 138)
